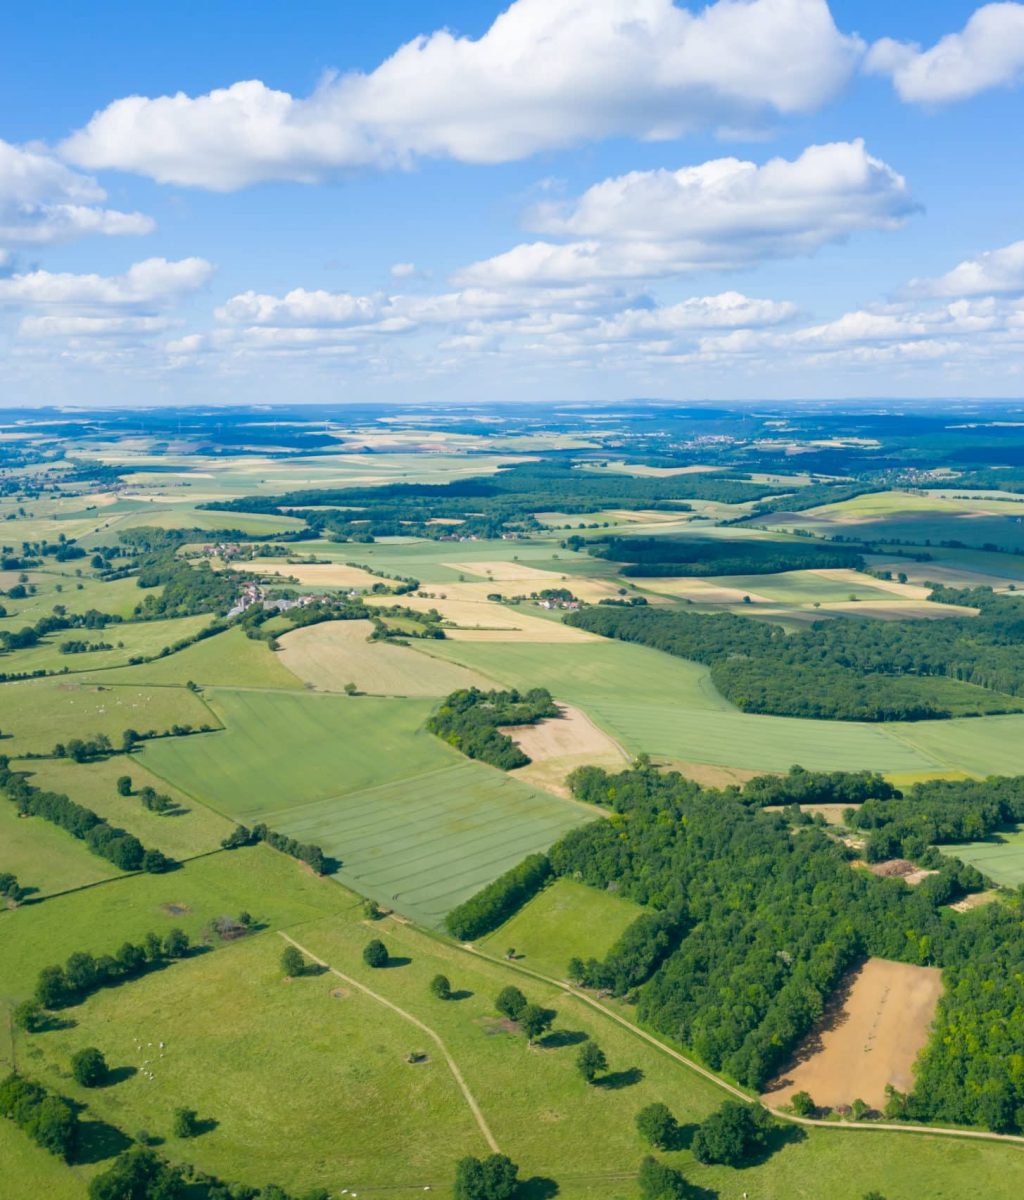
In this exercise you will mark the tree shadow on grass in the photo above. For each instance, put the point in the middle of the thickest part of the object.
(615, 1080)
(397, 960)
(118, 1075)
(682, 1139)
(563, 1037)
(776, 1138)
(538, 1187)
(205, 1125)
(98, 1141)
(460, 994)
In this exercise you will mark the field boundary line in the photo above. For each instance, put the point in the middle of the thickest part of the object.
(890, 1127)
(435, 1037)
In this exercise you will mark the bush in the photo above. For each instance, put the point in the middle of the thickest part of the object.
(659, 1182)
(441, 987)
(186, 1123)
(731, 1135)
(292, 962)
(375, 953)
(591, 1061)
(492, 1178)
(89, 1067)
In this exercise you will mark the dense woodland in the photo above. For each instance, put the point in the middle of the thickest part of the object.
(663, 556)
(769, 920)
(851, 670)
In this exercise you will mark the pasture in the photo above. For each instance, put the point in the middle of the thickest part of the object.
(873, 1029)
(567, 919)
(328, 656)
(36, 713)
(45, 858)
(145, 638)
(1000, 857)
(189, 830)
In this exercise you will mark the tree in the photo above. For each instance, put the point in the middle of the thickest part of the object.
(89, 1067)
(591, 1061)
(375, 953)
(124, 785)
(292, 962)
(731, 1134)
(577, 970)
(129, 739)
(176, 944)
(52, 988)
(534, 1020)
(493, 1178)
(371, 910)
(802, 1104)
(54, 1125)
(441, 987)
(29, 1016)
(186, 1123)
(657, 1126)
(659, 1182)
(510, 1002)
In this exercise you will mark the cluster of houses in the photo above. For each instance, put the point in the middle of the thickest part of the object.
(225, 550)
(550, 602)
(253, 594)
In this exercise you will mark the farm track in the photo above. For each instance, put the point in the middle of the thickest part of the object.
(435, 1037)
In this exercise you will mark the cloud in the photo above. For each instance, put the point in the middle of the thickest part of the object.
(78, 327)
(987, 53)
(155, 282)
(43, 201)
(547, 74)
(994, 273)
(725, 213)
(404, 270)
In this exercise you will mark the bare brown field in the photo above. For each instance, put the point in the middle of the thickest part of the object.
(900, 868)
(975, 900)
(332, 654)
(487, 621)
(558, 746)
(833, 813)
(874, 1027)
(311, 574)
(899, 610)
(504, 570)
(709, 774)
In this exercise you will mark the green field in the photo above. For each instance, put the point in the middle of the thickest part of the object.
(414, 824)
(117, 597)
(45, 858)
(192, 829)
(126, 641)
(426, 843)
(36, 713)
(566, 920)
(652, 702)
(1001, 857)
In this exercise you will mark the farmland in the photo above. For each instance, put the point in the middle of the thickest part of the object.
(319, 733)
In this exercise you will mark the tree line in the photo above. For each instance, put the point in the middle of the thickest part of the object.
(469, 720)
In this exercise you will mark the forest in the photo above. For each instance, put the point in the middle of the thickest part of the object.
(469, 720)
(663, 556)
(850, 670)
(769, 920)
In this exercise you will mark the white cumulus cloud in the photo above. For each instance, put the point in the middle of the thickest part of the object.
(725, 213)
(154, 282)
(994, 273)
(43, 201)
(987, 53)
(547, 74)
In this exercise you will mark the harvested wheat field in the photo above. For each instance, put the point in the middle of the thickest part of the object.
(703, 591)
(873, 1030)
(332, 654)
(488, 621)
(560, 745)
(314, 575)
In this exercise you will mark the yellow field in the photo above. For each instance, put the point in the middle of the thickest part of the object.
(314, 575)
(488, 621)
(557, 747)
(328, 656)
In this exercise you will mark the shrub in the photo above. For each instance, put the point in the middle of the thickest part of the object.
(375, 953)
(89, 1067)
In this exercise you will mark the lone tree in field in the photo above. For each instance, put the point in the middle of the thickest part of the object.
(89, 1067)
(802, 1104)
(660, 1182)
(493, 1178)
(731, 1134)
(510, 1002)
(124, 785)
(186, 1123)
(534, 1021)
(441, 987)
(375, 954)
(657, 1126)
(591, 1061)
(292, 962)
(371, 910)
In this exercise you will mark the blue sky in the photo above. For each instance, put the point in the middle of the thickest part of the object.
(557, 199)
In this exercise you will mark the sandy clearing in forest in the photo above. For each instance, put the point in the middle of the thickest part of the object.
(975, 900)
(311, 574)
(561, 744)
(874, 1026)
(331, 654)
(833, 813)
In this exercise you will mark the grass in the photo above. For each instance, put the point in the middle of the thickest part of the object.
(1001, 857)
(567, 919)
(658, 704)
(126, 641)
(426, 843)
(44, 857)
(281, 750)
(78, 595)
(36, 713)
(229, 659)
(192, 829)
(979, 746)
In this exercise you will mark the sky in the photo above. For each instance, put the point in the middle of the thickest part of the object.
(542, 201)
